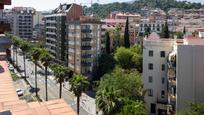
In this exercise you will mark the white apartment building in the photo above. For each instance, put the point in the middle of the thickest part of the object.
(172, 73)
(155, 25)
(155, 53)
(22, 21)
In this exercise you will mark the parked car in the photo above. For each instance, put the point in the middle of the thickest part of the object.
(19, 92)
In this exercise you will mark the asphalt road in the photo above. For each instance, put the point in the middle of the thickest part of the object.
(53, 87)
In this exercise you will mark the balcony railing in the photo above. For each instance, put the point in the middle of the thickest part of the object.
(86, 31)
(86, 56)
(172, 82)
(171, 73)
(86, 64)
(86, 39)
(172, 98)
(86, 47)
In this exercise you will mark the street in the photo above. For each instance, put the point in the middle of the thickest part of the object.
(53, 89)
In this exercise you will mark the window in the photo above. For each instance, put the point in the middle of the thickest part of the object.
(150, 92)
(162, 54)
(150, 66)
(162, 94)
(150, 79)
(150, 53)
(163, 67)
(163, 80)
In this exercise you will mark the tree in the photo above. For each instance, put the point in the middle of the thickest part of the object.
(126, 35)
(116, 37)
(46, 60)
(25, 48)
(129, 83)
(36, 52)
(79, 84)
(116, 86)
(165, 31)
(17, 41)
(106, 63)
(61, 73)
(133, 108)
(124, 57)
(108, 100)
(147, 31)
(137, 57)
(107, 43)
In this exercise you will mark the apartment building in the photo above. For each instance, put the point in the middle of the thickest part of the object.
(55, 30)
(85, 38)
(175, 80)
(22, 22)
(155, 53)
(118, 20)
(185, 74)
(4, 24)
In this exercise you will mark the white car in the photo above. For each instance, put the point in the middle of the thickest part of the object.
(19, 92)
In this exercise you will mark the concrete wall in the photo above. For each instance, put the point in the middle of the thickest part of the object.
(190, 75)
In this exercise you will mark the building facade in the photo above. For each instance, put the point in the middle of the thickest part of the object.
(172, 73)
(155, 53)
(22, 22)
(55, 30)
(85, 38)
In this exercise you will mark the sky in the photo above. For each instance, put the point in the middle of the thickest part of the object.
(42, 5)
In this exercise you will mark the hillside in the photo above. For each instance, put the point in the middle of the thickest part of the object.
(102, 10)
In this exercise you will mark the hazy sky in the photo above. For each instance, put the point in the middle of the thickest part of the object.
(51, 4)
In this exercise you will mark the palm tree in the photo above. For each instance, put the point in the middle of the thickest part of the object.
(108, 100)
(61, 73)
(17, 42)
(46, 59)
(36, 52)
(79, 84)
(25, 48)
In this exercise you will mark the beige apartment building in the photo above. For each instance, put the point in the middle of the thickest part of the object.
(173, 78)
(85, 44)
(155, 53)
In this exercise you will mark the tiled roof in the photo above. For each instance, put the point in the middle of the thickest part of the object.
(9, 100)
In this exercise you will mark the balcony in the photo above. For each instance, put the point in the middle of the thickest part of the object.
(172, 82)
(86, 31)
(86, 56)
(86, 39)
(86, 64)
(171, 73)
(172, 98)
(85, 47)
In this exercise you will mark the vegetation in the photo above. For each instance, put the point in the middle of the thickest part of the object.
(36, 56)
(129, 58)
(126, 35)
(103, 10)
(147, 31)
(107, 43)
(133, 108)
(46, 60)
(15, 77)
(116, 87)
(79, 84)
(61, 73)
(194, 109)
(106, 65)
(165, 31)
